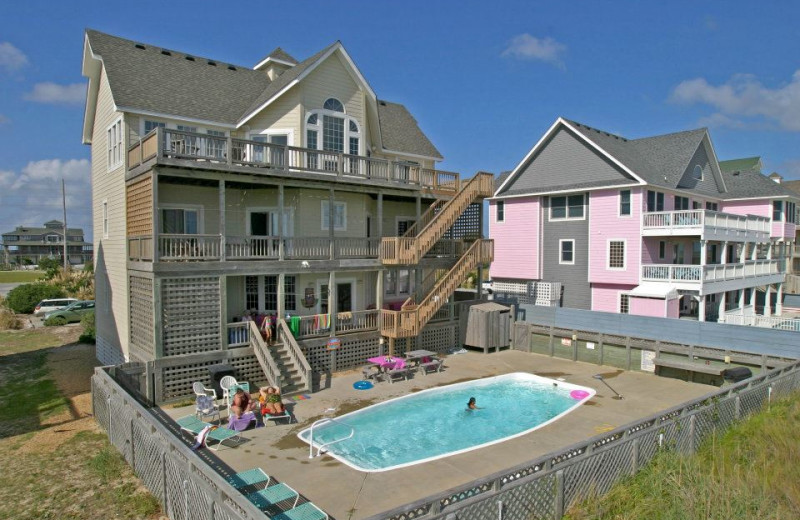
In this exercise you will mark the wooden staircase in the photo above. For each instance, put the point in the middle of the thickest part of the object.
(283, 363)
(434, 223)
(410, 319)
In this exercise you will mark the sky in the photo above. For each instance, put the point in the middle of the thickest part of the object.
(484, 80)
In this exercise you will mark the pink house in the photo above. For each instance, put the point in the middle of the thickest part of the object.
(655, 226)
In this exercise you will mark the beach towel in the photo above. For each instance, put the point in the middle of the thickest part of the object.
(201, 437)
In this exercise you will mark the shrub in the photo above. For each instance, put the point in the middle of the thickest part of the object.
(88, 267)
(23, 299)
(55, 321)
(9, 320)
(88, 329)
(50, 266)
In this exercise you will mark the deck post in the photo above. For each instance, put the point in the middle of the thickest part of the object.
(281, 295)
(222, 205)
(331, 225)
(281, 251)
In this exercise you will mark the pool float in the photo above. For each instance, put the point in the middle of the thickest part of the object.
(579, 394)
(362, 385)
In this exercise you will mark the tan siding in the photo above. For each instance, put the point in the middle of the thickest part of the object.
(331, 79)
(284, 113)
(110, 253)
(392, 210)
(183, 195)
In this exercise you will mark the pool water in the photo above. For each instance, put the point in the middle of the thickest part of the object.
(436, 423)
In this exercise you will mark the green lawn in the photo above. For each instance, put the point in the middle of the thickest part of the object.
(20, 276)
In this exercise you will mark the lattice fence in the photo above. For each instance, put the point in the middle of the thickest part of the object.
(139, 208)
(190, 315)
(468, 225)
(142, 340)
(543, 294)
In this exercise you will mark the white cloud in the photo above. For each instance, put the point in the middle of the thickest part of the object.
(57, 94)
(743, 100)
(11, 58)
(527, 47)
(32, 195)
(718, 120)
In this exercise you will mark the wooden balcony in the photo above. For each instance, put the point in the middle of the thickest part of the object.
(183, 248)
(189, 149)
(708, 225)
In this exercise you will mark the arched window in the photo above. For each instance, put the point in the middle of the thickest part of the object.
(698, 172)
(329, 129)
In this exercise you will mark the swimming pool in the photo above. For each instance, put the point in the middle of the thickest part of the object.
(435, 423)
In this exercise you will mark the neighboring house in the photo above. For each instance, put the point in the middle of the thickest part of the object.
(795, 264)
(286, 190)
(31, 244)
(652, 226)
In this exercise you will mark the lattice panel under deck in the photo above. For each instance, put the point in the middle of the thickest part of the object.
(439, 339)
(190, 315)
(141, 316)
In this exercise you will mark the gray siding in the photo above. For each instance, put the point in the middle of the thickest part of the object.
(574, 277)
(565, 161)
(707, 186)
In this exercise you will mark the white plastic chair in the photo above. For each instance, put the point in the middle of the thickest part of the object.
(200, 389)
(226, 383)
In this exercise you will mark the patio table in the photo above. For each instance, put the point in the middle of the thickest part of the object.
(384, 363)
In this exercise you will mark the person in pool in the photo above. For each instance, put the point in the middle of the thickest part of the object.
(471, 405)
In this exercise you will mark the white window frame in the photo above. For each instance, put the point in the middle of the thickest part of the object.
(566, 207)
(695, 176)
(318, 127)
(269, 132)
(105, 218)
(325, 211)
(401, 218)
(629, 214)
(145, 120)
(500, 204)
(561, 251)
(195, 207)
(114, 145)
(288, 218)
(624, 254)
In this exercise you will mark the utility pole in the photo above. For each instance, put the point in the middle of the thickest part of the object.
(64, 204)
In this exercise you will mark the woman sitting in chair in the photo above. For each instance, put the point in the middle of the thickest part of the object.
(271, 402)
(242, 403)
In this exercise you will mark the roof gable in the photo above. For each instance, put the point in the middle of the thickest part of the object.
(564, 160)
(709, 182)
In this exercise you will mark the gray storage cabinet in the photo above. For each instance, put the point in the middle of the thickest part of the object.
(489, 326)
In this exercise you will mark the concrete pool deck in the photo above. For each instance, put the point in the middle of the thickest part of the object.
(346, 493)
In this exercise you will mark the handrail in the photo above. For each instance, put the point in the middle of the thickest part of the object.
(264, 356)
(425, 218)
(296, 355)
(323, 445)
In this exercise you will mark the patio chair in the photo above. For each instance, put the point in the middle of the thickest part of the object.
(200, 389)
(434, 365)
(251, 477)
(305, 511)
(277, 417)
(194, 426)
(272, 495)
(206, 407)
(393, 373)
(226, 383)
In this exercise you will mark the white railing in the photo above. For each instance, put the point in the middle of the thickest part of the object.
(239, 334)
(357, 247)
(188, 247)
(314, 325)
(708, 273)
(704, 218)
(769, 322)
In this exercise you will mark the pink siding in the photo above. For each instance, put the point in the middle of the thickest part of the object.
(648, 307)
(605, 223)
(783, 230)
(516, 239)
(650, 250)
(761, 208)
(673, 308)
(605, 297)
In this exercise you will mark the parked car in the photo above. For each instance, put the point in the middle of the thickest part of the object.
(46, 306)
(71, 313)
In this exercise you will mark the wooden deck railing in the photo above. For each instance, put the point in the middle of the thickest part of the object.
(178, 144)
(188, 247)
(140, 247)
(409, 249)
(410, 320)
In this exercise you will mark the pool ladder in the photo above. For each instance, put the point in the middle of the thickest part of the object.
(326, 444)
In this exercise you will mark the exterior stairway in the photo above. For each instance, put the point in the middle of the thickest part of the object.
(283, 363)
(434, 223)
(410, 319)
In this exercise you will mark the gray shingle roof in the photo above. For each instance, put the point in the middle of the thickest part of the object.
(660, 160)
(751, 184)
(500, 179)
(143, 77)
(280, 54)
(146, 79)
(400, 131)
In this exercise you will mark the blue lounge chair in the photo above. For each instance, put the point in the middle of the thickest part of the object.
(269, 496)
(194, 426)
(305, 511)
(250, 477)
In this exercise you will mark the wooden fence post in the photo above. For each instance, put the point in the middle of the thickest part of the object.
(559, 505)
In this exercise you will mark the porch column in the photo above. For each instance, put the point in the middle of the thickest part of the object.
(768, 300)
(722, 302)
(754, 254)
(701, 310)
(331, 226)
(281, 251)
(379, 226)
(723, 257)
(703, 252)
(281, 307)
(742, 302)
(753, 292)
(779, 303)
(418, 204)
(480, 281)
(223, 311)
(379, 290)
(222, 206)
(156, 217)
(769, 250)
(332, 297)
